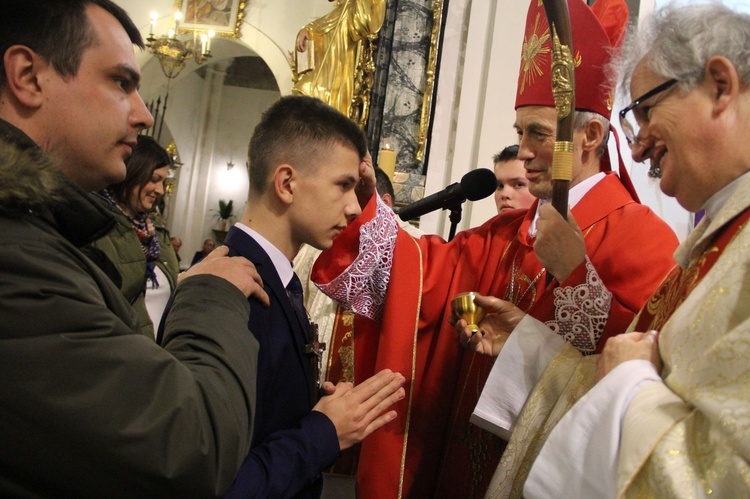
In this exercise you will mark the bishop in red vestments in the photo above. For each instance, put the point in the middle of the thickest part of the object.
(402, 287)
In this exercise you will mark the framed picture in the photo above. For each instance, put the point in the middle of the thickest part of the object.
(222, 16)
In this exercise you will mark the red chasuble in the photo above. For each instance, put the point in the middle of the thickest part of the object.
(430, 449)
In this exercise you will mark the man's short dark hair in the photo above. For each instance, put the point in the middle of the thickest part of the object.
(57, 30)
(299, 131)
(507, 154)
(383, 184)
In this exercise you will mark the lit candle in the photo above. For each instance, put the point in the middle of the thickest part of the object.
(387, 160)
(171, 33)
(154, 15)
(204, 43)
(177, 19)
(211, 34)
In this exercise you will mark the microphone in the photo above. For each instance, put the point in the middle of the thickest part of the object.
(475, 185)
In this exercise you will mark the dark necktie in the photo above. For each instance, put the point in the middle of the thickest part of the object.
(313, 348)
(294, 290)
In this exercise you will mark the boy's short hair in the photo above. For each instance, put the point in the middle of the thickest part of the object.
(383, 184)
(507, 154)
(298, 130)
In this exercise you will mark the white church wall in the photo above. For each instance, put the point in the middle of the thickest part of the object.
(240, 113)
(200, 191)
(476, 91)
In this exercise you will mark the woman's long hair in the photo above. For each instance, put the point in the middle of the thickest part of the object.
(147, 156)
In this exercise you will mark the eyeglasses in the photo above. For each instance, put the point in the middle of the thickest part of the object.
(627, 127)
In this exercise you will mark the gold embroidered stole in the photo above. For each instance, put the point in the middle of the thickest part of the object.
(680, 282)
(341, 359)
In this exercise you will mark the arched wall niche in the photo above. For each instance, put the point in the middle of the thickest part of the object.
(210, 121)
(211, 112)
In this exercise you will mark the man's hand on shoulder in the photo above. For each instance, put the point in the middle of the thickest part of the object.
(357, 411)
(238, 270)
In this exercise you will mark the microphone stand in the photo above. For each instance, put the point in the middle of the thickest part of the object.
(455, 217)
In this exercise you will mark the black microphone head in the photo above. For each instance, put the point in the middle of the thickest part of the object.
(478, 184)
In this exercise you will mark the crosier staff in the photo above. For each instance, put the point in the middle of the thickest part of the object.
(563, 90)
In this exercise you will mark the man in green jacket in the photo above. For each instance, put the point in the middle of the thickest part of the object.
(89, 407)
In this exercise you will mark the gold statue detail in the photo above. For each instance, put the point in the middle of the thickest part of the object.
(333, 59)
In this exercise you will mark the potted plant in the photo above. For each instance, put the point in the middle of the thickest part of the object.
(225, 213)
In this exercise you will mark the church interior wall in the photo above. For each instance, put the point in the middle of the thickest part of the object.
(476, 91)
(241, 109)
(204, 178)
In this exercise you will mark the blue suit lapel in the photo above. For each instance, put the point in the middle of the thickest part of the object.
(240, 243)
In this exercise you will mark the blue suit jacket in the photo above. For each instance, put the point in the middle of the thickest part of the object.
(291, 444)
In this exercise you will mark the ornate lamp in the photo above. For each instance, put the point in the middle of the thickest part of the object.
(173, 52)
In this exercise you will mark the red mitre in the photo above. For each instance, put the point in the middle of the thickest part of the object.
(596, 31)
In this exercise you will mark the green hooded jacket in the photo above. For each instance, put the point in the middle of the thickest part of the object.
(89, 407)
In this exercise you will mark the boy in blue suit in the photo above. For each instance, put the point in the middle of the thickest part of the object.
(306, 159)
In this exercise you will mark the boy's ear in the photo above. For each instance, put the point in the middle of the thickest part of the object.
(284, 183)
(387, 199)
(23, 68)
